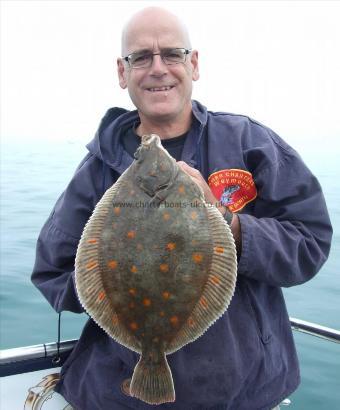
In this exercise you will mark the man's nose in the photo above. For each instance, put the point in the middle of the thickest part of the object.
(158, 67)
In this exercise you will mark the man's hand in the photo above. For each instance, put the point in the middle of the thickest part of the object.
(200, 181)
(211, 199)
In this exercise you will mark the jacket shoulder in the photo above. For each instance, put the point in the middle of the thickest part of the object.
(261, 147)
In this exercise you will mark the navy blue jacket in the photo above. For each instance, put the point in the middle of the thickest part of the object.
(247, 359)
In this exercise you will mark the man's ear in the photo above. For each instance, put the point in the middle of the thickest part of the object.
(121, 73)
(194, 63)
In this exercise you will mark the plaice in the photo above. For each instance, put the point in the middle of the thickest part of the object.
(155, 266)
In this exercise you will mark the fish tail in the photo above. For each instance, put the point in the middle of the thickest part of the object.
(152, 380)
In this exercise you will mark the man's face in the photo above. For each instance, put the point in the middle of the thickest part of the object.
(142, 83)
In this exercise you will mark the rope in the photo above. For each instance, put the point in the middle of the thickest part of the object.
(57, 359)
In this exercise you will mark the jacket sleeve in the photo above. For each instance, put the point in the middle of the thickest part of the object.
(53, 272)
(287, 236)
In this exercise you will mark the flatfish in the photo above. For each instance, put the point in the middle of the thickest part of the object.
(155, 266)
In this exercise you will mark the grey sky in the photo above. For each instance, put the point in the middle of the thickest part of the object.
(278, 62)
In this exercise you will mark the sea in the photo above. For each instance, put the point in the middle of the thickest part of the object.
(33, 175)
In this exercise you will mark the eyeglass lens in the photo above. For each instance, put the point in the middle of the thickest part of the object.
(169, 56)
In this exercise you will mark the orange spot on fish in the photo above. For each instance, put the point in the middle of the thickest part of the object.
(146, 302)
(181, 189)
(215, 280)
(203, 302)
(91, 265)
(191, 322)
(164, 267)
(112, 264)
(134, 269)
(166, 295)
(133, 291)
(194, 215)
(114, 319)
(92, 241)
(101, 296)
(161, 313)
(166, 216)
(131, 234)
(197, 257)
(219, 249)
(171, 246)
(174, 320)
(116, 210)
(133, 326)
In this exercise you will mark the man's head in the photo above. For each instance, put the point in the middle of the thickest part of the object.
(155, 30)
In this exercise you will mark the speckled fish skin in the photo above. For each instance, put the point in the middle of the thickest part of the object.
(155, 266)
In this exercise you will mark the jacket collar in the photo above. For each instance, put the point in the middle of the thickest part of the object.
(106, 143)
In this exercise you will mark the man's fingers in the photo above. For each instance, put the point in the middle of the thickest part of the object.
(185, 167)
(188, 169)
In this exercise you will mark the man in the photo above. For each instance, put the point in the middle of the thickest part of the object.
(247, 359)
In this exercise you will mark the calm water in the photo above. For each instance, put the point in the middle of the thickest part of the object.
(32, 178)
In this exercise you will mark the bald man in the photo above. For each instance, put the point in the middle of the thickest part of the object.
(247, 359)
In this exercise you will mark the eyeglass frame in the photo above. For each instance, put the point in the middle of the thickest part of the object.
(186, 52)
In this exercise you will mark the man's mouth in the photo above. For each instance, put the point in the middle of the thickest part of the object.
(157, 89)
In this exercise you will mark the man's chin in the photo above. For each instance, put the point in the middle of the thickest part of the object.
(161, 114)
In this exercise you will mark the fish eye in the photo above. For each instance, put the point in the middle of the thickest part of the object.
(163, 186)
(147, 138)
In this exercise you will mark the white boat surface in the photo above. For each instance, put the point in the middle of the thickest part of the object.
(29, 374)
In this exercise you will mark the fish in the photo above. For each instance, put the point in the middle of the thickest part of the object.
(227, 194)
(155, 266)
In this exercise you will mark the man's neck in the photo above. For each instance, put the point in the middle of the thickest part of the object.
(165, 130)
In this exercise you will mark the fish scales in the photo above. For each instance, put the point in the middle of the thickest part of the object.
(155, 266)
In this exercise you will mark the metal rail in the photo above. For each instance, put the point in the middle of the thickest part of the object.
(44, 350)
(314, 329)
(22, 355)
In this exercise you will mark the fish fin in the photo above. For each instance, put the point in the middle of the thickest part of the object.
(219, 287)
(152, 379)
(89, 284)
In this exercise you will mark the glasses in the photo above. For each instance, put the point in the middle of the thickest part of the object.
(170, 56)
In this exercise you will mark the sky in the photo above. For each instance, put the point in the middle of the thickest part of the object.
(275, 61)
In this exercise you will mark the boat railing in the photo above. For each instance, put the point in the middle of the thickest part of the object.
(48, 355)
(315, 329)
